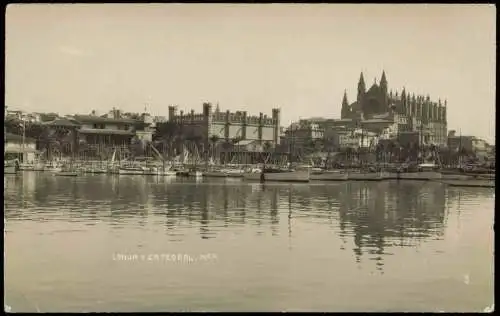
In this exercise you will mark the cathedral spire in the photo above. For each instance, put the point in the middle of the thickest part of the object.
(361, 87)
(383, 82)
(383, 79)
(344, 99)
(344, 112)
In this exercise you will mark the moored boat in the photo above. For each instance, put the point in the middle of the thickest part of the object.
(328, 175)
(66, 171)
(234, 173)
(215, 174)
(422, 172)
(130, 171)
(278, 175)
(360, 175)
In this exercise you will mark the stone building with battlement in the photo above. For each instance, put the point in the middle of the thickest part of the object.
(228, 126)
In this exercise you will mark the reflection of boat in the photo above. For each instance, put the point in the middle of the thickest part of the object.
(275, 174)
(328, 175)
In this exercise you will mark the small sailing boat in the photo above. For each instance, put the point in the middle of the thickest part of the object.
(195, 172)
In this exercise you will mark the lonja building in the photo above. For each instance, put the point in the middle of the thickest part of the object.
(228, 126)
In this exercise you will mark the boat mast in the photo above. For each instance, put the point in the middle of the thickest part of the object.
(24, 135)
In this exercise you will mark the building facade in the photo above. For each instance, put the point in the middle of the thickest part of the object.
(227, 126)
(379, 109)
(112, 129)
(19, 147)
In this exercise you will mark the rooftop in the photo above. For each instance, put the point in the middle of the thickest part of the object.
(62, 122)
(104, 131)
(99, 119)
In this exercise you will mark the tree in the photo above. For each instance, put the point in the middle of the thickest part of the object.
(267, 146)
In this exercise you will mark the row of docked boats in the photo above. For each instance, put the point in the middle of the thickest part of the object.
(424, 172)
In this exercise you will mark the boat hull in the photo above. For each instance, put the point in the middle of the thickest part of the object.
(329, 176)
(130, 172)
(195, 174)
(422, 175)
(168, 173)
(66, 174)
(53, 169)
(215, 174)
(292, 176)
(365, 176)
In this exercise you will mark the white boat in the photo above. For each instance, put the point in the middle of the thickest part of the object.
(328, 175)
(234, 173)
(278, 175)
(130, 170)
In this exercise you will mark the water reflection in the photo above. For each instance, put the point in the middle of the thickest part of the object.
(293, 240)
(376, 216)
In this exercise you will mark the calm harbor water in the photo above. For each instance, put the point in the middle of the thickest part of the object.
(101, 243)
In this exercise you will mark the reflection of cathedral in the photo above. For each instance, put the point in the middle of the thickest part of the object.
(379, 218)
(410, 113)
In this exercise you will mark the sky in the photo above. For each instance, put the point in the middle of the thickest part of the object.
(78, 58)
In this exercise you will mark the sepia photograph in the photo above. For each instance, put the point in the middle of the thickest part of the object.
(212, 157)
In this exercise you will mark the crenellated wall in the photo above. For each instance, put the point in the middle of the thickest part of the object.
(229, 125)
